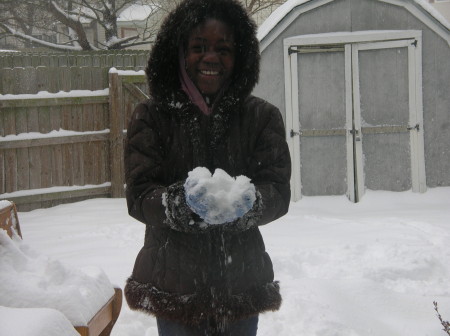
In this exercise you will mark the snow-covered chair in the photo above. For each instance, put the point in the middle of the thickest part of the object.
(93, 321)
(39, 321)
(8, 218)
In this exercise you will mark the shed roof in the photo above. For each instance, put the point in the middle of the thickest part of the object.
(439, 24)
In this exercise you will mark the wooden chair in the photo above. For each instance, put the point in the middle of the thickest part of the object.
(8, 219)
(103, 321)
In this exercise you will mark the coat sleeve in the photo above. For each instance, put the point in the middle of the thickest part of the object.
(269, 165)
(149, 199)
(143, 160)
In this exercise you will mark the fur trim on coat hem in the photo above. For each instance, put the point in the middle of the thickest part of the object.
(194, 309)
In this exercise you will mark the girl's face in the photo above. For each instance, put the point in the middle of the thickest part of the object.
(210, 56)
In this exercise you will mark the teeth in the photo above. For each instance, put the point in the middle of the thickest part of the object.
(209, 72)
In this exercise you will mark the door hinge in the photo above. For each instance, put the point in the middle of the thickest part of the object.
(293, 49)
(416, 127)
(293, 133)
(355, 134)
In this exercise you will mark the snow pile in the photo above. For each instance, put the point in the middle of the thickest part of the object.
(34, 321)
(218, 198)
(136, 12)
(30, 280)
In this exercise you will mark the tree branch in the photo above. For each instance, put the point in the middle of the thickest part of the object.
(72, 23)
(12, 32)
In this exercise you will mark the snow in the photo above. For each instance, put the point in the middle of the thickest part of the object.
(136, 12)
(218, 198)
(52, 134)
(276, 16)
(31, 280)
(434, 12)
(127, 72)
(60, 94)
(34, 321)
(4, 204)
(371, 268)
(41, 191)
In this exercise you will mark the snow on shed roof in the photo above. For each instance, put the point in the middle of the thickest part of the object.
(278, 15)
(136, 12)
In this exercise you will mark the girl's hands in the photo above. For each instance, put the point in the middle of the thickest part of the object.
(218, 198)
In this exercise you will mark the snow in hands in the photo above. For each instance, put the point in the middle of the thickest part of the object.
(218, 198)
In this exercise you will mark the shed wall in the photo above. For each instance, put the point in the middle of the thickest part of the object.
(358, 15)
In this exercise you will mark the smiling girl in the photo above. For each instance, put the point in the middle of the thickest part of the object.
(197, 277)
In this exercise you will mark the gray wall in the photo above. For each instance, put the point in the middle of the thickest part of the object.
(357, 15)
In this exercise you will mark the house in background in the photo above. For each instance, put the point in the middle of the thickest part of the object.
(364, 89)
(138, 19)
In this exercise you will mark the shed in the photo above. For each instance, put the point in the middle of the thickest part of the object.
(364, 87)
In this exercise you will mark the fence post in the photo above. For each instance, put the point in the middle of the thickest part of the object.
(116, 134)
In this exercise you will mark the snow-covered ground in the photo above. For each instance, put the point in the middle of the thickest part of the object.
(372, 268)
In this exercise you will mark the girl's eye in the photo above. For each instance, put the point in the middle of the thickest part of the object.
(224, 51)
(198, 48)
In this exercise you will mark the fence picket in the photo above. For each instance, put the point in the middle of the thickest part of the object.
(23, 168)
(46, 167)
(57, 166)
(44, 80)
(10, 171)
(2, 172)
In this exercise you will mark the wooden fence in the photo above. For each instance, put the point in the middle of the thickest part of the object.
(64, 147)
(53, 72)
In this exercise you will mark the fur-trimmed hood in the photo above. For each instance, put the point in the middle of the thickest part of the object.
(162, 68)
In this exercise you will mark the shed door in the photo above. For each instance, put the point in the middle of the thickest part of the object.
(322, 121)
(358, 123)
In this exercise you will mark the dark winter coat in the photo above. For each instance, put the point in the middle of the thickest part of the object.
(189, 271)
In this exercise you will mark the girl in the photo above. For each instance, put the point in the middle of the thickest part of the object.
(198, 275)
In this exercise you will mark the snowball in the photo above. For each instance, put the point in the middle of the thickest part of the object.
(218, 198)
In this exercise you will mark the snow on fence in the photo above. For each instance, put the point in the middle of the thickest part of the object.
(62, 147)
(53, 72)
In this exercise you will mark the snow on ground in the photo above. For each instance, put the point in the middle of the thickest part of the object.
(372, 268)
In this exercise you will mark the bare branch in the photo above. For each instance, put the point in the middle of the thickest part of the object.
(71, 22)
(13, 32)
